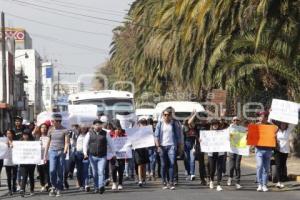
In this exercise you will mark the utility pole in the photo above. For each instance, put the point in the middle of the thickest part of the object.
(3, 50)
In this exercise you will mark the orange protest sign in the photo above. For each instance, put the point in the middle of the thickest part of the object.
(262, 135)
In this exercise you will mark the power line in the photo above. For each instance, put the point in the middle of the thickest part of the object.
(63, 42)
(83, 15)
(64, 15)
(82, 7)
(57, 26)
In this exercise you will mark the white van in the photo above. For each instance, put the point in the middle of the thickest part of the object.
(183, 109)
(145, 113)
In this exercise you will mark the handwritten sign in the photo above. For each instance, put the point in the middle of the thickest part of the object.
(215, 141)
(285, 111)
(3, 147)
(141, 137)
(238, 142)
(26, 152)
(121, 146)
(262, 135)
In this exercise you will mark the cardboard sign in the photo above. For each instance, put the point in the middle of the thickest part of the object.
(215, 141)
(262, 135)
(285, 111)
(3, 147)
(26, 152)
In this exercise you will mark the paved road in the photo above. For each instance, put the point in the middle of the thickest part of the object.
(186, 190)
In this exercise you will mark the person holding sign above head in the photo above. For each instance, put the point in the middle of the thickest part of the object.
(10, 167)
(282, 150)
(215, 161)
(168, 140)
(117, 165)
(95, 149)
(56, 151)
(235, 159)
(27, 170)
(263, 156)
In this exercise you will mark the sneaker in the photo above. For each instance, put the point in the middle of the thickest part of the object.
(102, 190)
(165, 187)
(31, 193)
(219, 188)
(120, 187)
(43, 189)
(211, 185)
(140, 184)
(229, 181)
(203, 182)
(58, 194)
(238, 186)
(259, 189)
(18, 188)
(114, 186)
(52, 192)
(193, 177)
(87, 188)
(265, 188)
(107, 182)
(279, 185)
(172, 187)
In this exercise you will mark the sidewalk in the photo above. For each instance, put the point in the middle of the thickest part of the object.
(293, 166)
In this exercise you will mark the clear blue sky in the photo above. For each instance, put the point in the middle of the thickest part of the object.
(67, 48)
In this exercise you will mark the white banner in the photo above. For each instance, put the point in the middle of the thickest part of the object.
(285, 111)
(141, 137)
(215, 141)
(3, 147)
(122, 147)
(82, 114)
(127, 121)
(26, 152)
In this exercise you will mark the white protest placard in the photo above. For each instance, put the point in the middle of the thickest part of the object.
(3, 147)
(141, 137)
(122, 148)
(82, 114)
(238, 142)
(127, 121)
(285, 111)
(215, 141)
(26, 152)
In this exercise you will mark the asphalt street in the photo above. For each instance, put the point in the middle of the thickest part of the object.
(186, 190)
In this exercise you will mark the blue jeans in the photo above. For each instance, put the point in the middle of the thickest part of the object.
(98, 165)
(189, 158)
(86, 175)
(167, 159)
(78, 156)
(263, 159)
(152, 157)
(56, 168)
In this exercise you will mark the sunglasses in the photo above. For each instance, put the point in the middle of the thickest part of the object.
(166, 114)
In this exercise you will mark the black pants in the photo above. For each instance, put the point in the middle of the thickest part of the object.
(117, 168)
(280, 161)
(235, 165)
(202, 170)
(27, 171)
(216, 162)
(1, 165)
(11, 174)
(43, 171)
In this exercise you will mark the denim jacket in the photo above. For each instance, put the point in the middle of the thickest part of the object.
(177, 132)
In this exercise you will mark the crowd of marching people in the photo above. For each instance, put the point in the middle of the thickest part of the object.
(85, 149)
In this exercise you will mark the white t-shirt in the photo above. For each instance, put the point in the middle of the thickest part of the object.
(283, 139)
(167, 134)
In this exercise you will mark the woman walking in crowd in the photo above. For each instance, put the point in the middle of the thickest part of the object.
(27, 170)
(263, 158)
(168, 140)
(141, 158)
(41, 134)
(282, 151)
(56, 151)
(190, 137)
(152, 156)
(10, 168)
(235, 159)
(117, 165)
(216, 161)
(95, 148)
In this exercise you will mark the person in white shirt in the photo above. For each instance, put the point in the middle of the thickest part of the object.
(282, 151)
